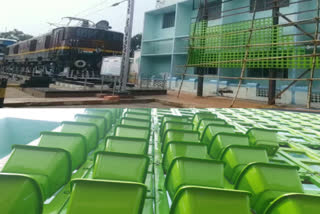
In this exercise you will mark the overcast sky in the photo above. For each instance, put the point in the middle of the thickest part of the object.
(32, 16)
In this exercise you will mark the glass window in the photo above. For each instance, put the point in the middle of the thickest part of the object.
(267, 4)
(33, 45)
(214, 10)
(16, 49)
(169, 20)
(47, 42)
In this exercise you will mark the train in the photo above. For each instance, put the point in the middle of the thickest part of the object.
(71, 52)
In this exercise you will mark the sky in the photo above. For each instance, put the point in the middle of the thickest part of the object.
(33, 16)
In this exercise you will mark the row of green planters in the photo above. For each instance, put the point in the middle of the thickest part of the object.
(120, 172)
(33, 174)
(200, 154)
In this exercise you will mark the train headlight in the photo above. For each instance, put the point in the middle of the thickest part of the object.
(80, 63)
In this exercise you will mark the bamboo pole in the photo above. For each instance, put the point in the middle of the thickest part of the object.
(314, 61)
(244, 64)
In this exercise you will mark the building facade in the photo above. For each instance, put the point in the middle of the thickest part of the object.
(166, 36)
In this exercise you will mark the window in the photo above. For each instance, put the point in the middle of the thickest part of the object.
(33, 45)
(47, 42)
(206, 71)
(267, 4)
(264, 73)
(214, 10)
(16, 49)
(169, 20)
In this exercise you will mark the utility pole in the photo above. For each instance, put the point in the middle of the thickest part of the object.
(125, 63)
(273, 72)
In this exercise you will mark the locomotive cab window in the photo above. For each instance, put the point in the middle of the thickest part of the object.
(33, 45)
(47, 42)
(16, 49)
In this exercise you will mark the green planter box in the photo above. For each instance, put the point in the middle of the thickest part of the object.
(141, 116)
(205, 122)
(200, 116)
(238, 157)
(99, 121)
(267, 182)
(264, 138)
(120, 167)
(295, 204)
(189, 150)
(223, 140)
(50, 167)
(127, 145)
(173, 118)
(171, 136)
(75, 144)
(200, 200)
(191, 171)
(211, 131)
(136, 122)
(140, 110)
(88, 130)
(132, 132)
(97, 197)
(109, 115)
(171, 125)
(20, 194)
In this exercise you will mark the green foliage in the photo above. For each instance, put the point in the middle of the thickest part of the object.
(15, 34)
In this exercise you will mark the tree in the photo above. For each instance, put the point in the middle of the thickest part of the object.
(15, 34)
(136, 43)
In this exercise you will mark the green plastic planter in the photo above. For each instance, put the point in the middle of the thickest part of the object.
(238, 157)
(132, 132)
(20, 194)
(141, 116)
(99, 121)
(190, 150)
(223, 140)
(140, 110)
(98, 197)
(295, 204)
(120, 167)
(211, 131)
(171, 136)
(264, 138)
(75, 144)
(173, 118)
(200, 116)
(88, 130)
(200, 200)
(190, 171)
(267, 182)
(50, 167)
(107, 114)
(135, 122)
(176, 126)
(127, 145)
(205, 122)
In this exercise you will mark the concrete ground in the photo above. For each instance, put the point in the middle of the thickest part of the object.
(17, 98)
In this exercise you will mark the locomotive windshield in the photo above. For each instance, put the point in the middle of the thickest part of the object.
(96, 34)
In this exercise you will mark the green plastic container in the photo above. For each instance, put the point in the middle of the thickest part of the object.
(205, 122)
(107, 114)
(50, 167)
(238, 157)
(171, 136)
(140, 110)
(97, 197)
(127, 145)
(135, 122)
(267, 182)
(99, 121)
(200, 116)
(141, 116)
(20, 194)
(173, 118)
(88, 130)
(201, 200)
(120, 167)
(264, 138)
(75, 144)
(295, 204)
(171, 125)
(190, 150)
(223, 140)
(190, 171)
(211, 131)
(132, 132)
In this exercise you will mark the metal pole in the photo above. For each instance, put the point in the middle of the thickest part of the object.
(125, 64)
